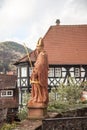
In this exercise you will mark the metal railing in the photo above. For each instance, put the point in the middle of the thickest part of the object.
(66, 123)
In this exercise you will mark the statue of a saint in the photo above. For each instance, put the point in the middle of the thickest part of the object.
(39, 77)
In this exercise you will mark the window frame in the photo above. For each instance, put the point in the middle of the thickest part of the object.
(6, 93)
(24, 72)
(58, 73)
(51, 72)
(77, 73)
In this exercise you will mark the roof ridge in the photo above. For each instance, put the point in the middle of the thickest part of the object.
(76, 25)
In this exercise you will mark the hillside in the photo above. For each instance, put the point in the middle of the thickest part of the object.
(9, 53)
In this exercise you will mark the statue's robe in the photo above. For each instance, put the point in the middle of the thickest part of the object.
(39, 79)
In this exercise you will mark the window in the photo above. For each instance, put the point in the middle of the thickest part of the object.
(57, 72)
(51, 72)
(23, 71)
(77, 72)
(3, 93)
(18, 70)
(18, 82)
(6, 93)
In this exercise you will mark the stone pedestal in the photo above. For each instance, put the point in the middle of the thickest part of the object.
(37, 111)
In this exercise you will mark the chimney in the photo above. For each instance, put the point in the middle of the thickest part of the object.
(57, 22)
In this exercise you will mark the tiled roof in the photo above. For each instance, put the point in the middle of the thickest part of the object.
(26, 58)
(66, 44)
(7, 81)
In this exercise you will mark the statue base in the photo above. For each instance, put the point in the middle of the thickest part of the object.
(37, 111)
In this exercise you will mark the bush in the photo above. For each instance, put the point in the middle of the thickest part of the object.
(23, 111)
(58, 106)
(66, 96)
(22, 114)
(8, 126)
(70, 93)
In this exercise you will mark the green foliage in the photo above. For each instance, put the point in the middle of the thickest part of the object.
(58, 106)
(23, 111)
(8, 126)
(25, 97)
(70, 93)
(84, 85)
(22, 114)
(66, 96)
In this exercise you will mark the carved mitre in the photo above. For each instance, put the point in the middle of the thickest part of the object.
(40, 43)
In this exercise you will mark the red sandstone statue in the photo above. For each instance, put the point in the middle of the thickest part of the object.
(39, 77)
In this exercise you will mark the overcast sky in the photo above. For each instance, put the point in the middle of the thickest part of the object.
(27, 20)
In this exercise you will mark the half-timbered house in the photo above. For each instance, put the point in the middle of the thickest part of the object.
(66, 46)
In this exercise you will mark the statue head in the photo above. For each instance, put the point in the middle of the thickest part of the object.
(39, 46)
(40, 43)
